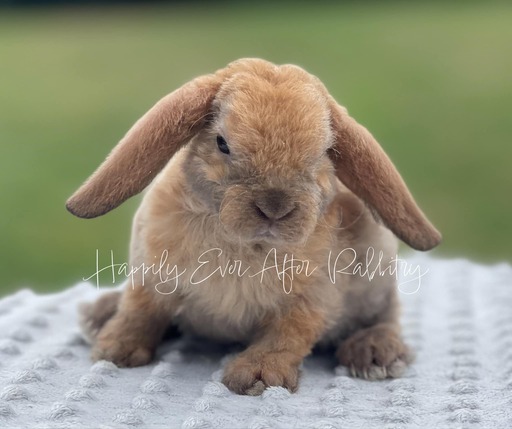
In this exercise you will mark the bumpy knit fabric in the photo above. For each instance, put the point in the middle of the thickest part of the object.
(459, 321)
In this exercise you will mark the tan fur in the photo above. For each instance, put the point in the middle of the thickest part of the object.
(131, 336)
(274, 357)
(276, 195)
(93, 316)
(145, 149)
(365, 168)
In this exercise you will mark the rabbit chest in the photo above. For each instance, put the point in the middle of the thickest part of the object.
(227, 293)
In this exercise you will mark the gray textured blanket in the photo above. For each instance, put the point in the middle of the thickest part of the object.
(459, 321)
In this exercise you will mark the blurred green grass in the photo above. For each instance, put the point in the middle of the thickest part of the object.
(431, 80)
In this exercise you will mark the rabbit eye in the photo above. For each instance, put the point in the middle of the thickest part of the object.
(223, 146)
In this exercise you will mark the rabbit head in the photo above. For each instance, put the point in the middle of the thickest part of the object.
(264, 147)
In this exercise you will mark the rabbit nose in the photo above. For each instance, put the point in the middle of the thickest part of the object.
(274, 204)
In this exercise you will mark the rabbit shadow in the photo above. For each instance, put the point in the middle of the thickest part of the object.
(196, 350)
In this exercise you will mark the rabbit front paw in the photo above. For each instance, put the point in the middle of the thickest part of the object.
(122, 345)
(375, 353)
(122, 354)
(251, 373)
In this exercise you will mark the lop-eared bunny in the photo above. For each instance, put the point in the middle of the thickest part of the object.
(255, 166)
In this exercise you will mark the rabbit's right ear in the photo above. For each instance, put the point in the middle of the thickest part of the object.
(362, 165)
(146, 148)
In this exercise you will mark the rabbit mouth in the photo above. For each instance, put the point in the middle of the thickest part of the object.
(269, 232)
(276, 233)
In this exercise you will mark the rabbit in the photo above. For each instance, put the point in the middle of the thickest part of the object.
(249, 168)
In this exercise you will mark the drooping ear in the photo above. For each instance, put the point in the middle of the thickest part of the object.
(362, 165)
(146, 148)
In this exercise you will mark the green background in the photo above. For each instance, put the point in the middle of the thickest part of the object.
(432, 81)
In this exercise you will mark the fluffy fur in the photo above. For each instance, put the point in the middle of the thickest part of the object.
(301, 179)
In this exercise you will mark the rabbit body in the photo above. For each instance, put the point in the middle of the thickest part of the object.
(210, 301)
(259, 229)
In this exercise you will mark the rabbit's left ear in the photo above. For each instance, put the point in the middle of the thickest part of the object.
(366, 170)
(146, 148)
